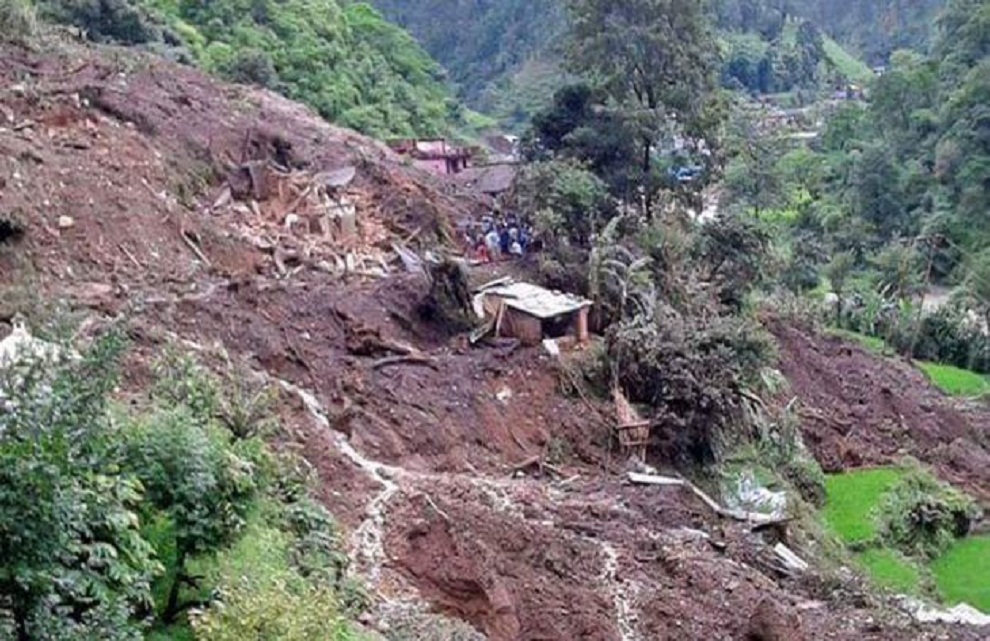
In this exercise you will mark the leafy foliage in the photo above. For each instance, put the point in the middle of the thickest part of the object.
(734, 249)
(75, 565)
(577, 127)
(275, 608)
(921, 516)
(341, 58)
(491, 49)
(689, 371)
(101, 509)
(17, 20)
(105, 20)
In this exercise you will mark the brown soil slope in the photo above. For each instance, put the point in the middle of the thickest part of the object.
(109, 166)
(859, 409)
(134, 150)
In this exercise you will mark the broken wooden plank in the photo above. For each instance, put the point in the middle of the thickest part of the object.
(737, 515)
(194, 247)
(651, 479)
(411, 359)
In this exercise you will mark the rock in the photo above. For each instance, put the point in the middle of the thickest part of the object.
(66, 222)
(773, 622)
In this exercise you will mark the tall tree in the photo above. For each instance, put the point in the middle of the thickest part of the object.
(656, 59)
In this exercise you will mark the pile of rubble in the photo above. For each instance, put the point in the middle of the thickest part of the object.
(306, 219)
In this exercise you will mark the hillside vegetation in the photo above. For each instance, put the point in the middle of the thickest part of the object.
(495, 51)
(341, 58)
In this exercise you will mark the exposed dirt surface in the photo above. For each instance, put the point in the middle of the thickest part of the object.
(858, 409)
(110, 166)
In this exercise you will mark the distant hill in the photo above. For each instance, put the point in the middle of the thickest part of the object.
(873, 29)
(503, 56)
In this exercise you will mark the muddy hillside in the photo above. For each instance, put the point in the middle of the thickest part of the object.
(473, 489)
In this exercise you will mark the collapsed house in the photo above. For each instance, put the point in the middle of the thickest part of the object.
(490, 180)
(531, 313)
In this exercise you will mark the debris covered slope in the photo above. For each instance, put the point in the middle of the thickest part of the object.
(238, 223)
(146, 170)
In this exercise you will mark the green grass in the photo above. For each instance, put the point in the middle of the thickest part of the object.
(956, 381)
(890, 570)
(852, 69)
(962, 574)
(851, 499)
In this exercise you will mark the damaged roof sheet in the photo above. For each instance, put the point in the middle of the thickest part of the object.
(534, 300)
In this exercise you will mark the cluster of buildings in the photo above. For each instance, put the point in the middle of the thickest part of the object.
(490, 169)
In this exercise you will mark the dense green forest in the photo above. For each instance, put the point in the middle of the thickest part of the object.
(341, 58)
(874, 29)
(506, 57)
(503, 55)
(894, 195)
(118, 519)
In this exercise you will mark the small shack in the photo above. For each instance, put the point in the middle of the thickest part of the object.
(532, 313)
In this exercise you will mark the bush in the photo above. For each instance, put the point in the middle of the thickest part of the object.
(17, 20)
(690, 371)
(921, 516)
(251, 67)
(104, 20)
(272, 608)
(74, 563)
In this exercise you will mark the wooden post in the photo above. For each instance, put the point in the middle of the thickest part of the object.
(581, 328)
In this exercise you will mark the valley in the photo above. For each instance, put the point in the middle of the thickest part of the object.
(283, 405)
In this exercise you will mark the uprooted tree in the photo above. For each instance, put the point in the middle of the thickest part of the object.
(690, 372)
(449, 300)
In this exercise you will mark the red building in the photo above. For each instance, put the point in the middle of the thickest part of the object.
(436, 156)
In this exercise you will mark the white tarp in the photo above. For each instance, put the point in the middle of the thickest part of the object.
(963, 613)
(751, 496)
(20, 345)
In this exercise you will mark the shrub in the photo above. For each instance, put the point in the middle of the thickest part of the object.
(690, 371)
(251, 67)
(274, 608)
(104, 20)
(922, 516)
(74, 563)
(17, 21)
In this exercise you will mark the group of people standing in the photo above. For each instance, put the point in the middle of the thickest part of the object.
(498, 238)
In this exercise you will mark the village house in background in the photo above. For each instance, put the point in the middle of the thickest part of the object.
(437, 156)
(531, 313)
(503, 148)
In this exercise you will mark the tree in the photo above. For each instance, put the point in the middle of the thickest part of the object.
(734, 251)
(900, 271)
(199, 485)
(655, 59)
(577, 126)
(977, 284)
(74, 565)
(567, 203)
(838, 272)
(193, 479)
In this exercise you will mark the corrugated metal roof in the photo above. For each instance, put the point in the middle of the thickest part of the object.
(535, 300)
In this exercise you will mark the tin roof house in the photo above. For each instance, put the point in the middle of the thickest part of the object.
(531, 313)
